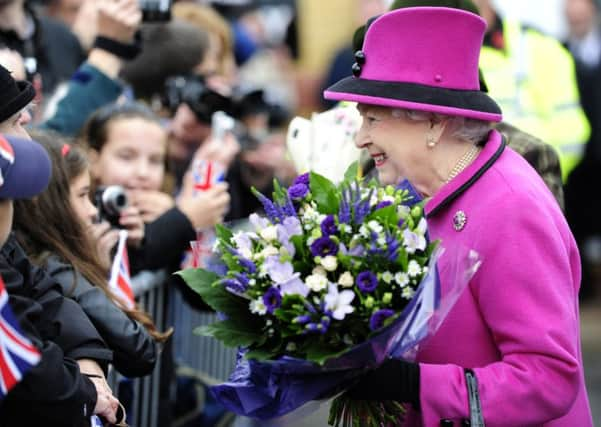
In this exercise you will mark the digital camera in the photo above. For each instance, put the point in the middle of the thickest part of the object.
(156, 10)
(201, 99)
(110, 202)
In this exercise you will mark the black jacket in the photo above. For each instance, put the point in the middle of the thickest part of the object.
(134, 350)
(53, 393)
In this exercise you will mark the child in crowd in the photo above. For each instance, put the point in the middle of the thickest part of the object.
(127, 147)
(59, 390)
(58, 232)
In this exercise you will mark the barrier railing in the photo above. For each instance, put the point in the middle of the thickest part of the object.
(142, 394)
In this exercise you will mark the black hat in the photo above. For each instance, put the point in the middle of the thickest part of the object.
(14, 95)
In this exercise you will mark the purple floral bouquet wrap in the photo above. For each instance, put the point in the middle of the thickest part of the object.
(328, 284)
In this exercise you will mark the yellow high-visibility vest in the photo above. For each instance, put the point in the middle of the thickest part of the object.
(534, 82)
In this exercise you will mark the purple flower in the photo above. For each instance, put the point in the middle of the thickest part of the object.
(305, 318)
(367, 281)
(302, 179)
(272, 299)
(283, 275)
(377, 319)
(324, 246)
(383, 204)
(298, 191)
(247, 264)
(328, 226)
(235, 285)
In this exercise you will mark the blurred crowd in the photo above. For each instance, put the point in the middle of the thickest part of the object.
(124, 93)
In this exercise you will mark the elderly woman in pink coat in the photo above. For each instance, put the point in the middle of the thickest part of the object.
(508, 353)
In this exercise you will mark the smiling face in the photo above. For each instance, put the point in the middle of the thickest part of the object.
(133, 155)
(397, 144)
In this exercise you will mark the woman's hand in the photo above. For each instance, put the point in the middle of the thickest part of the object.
(393, 380)
(106, 403)
(205, 208)
(132, 221)
(222, 151)
(151, 204)
(106, 238)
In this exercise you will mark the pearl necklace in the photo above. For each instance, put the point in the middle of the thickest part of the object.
(463, 162)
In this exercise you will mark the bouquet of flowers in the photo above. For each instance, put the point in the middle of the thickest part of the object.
(329, 283)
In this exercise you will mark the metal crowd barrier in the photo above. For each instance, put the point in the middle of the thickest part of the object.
(143, 408)
(200, 357)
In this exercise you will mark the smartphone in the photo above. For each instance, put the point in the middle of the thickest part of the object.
(156, 10)
(220, 124)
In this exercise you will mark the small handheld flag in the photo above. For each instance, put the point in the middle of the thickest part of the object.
(17, 353)
(120, 280)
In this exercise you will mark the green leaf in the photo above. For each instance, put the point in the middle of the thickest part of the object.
(207, 285)
(198, 278)
(324, 193)
(233, 333)
(352, 172)
(261, 354)
(223, 233)
(386, 215)
(279, 193)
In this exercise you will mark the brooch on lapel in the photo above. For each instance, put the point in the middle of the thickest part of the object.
(459, 220)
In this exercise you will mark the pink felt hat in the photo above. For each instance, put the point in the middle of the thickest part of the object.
(421, 58)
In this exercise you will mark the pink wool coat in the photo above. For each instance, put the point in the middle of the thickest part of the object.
(516, 324)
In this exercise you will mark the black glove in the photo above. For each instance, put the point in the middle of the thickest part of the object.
(393, 380)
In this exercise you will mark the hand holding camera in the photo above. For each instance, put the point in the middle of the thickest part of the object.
(114, 209)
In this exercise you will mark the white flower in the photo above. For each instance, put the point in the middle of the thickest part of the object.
(316, 282)
(413, 241)
(345, 228)
(329, 262)
(246, 253)
(422, 226)
(375, 226)
(381, 240)
(387, 277)
(320, 270)
(403, 211)
(257, 306)
(402, 279)
(364, 231)
(269, 233)
(408, 292)
(258, 221)
(346, 280)
(374, 200)
(269, 251)
(414, 268)
(339, 302)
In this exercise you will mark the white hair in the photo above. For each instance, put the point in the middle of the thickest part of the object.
(470, 130)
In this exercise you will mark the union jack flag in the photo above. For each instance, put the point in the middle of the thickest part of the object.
(206, 173)
(17, 353)
(120, 280)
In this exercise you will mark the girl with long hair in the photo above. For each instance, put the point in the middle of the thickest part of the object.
(58, 232)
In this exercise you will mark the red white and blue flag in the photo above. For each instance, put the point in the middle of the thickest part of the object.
(7, 154)
(120, 280)
(206, 174)
(17, 353)
(6, 150)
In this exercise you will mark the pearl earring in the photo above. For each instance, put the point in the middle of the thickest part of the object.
(430, 141)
